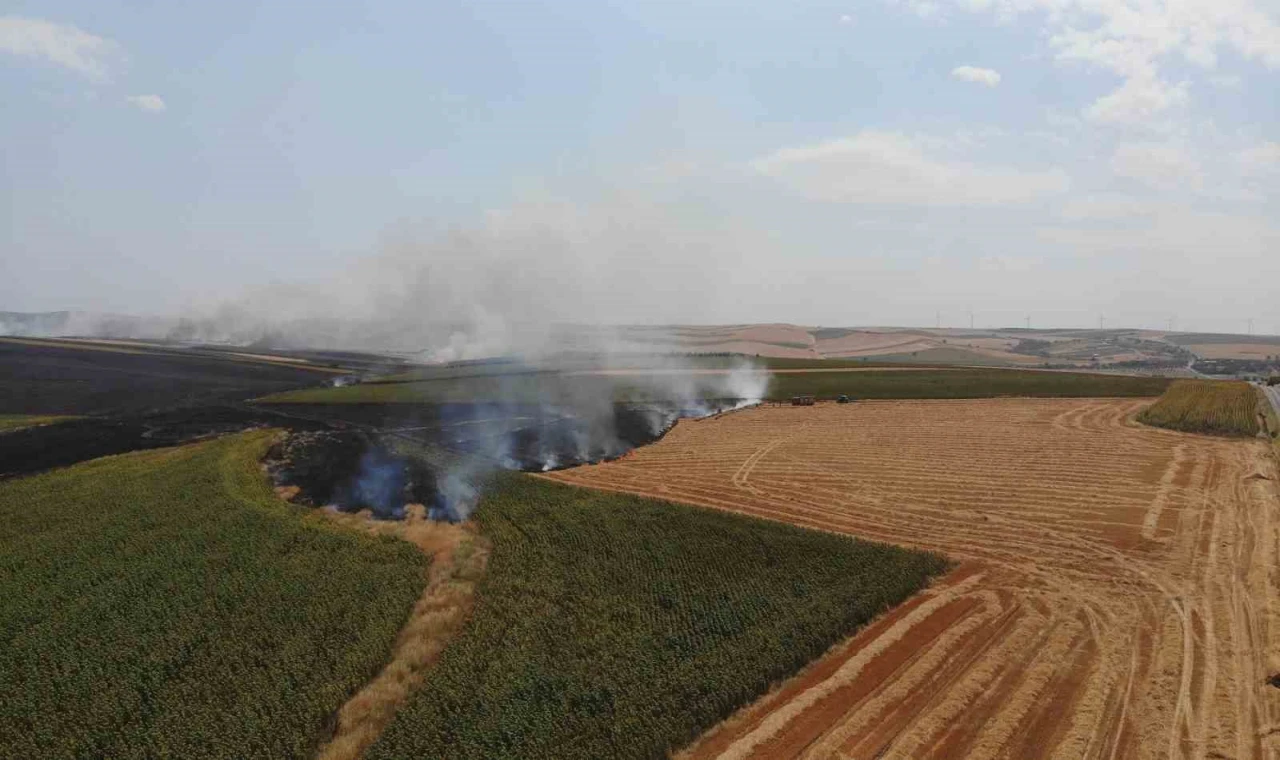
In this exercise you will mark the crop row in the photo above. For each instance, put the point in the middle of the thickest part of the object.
(1206, 406)
(610, 625)
(166, 604)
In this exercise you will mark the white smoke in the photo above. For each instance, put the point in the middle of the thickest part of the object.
(536, 279)
(545, 283)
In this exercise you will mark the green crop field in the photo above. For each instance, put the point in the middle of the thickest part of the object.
(614, 626)
(1216, 407)
(882, 384)
(963, 383)
(166, 604)
(689, 361)
(19, 421)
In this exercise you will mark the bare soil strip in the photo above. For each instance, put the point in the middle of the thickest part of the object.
(1116, 598)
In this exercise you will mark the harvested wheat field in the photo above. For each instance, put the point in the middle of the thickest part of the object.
(1115, 595)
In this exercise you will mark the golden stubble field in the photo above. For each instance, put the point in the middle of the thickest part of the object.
(1116, 593)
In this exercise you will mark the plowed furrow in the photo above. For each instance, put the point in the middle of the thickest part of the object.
(1117, 597)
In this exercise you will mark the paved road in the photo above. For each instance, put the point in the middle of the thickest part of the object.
(1273, 393)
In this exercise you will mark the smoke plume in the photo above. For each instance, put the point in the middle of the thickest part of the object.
(545, 285)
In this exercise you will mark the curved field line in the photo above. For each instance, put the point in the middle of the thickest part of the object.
(1138, 566)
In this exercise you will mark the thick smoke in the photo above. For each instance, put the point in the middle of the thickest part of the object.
(544, 285)
(84, 324)
(576, 418)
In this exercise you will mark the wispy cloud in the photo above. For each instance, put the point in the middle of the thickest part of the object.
(892, 168)
(64, 45)
(152, 103)
(1137, 101)
(925, 9)
(1261, 158)
(1137, 41)
(1164, 166)
(989, 77)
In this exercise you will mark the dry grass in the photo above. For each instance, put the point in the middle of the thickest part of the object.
(1214, 407)
(458, 557)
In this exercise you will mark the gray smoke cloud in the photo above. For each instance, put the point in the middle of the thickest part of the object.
(544, 284)
(535, 279)
(84, 324)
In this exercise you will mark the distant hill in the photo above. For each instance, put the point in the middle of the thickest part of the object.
(43, 324)
(1013, 347)
(84, 324)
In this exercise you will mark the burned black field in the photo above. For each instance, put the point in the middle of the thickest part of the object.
(355, 456)
(35, 449)
(66, 379)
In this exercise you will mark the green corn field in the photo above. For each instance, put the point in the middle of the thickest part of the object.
(167, 604)
(609, 625)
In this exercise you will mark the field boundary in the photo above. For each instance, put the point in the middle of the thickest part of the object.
(1100, 627)
(458, 555)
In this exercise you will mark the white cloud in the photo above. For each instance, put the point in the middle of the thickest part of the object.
(1164, 166)
(61, 44)
(152, 103)
(1137, 101)
(1260, 158)
(846, 19)
(1227, 81)
(925, 9)
(988, 77)
(892, 168)
(1136, 39)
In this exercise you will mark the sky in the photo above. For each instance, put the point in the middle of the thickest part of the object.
(886, 162)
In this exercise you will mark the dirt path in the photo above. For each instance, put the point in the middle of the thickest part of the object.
(458, 557)
(1116, 596)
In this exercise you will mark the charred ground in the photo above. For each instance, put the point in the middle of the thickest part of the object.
(48, 378)
(378, 456)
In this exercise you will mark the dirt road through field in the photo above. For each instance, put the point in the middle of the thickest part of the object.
(1116, 595)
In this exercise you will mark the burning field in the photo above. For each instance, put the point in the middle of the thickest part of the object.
(429, 450)
(1115, 596)
(1111, 595)
(385, 458)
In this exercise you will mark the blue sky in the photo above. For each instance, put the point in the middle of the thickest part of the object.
(824, 163)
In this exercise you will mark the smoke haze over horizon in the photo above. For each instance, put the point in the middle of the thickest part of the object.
(467, 178)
